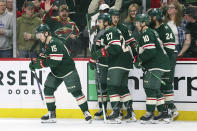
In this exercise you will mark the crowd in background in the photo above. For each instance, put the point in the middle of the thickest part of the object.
(180, 15)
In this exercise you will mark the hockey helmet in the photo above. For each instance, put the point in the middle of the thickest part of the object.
(142, 18)
(105, 17)
(114, 12)
(42, 28)
(155, 12)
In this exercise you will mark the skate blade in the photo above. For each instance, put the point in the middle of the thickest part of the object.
(130, 120)
(166, 120)
(163, 121)
(89, 121)
(148, 122)
(49, 121)
(98, 118)
(115, 121)
(175, 115)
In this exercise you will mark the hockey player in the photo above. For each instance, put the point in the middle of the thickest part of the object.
(125, 96)
(167, 37)
(54, 54)
(154, 61)
(116, 65)
(103, 68)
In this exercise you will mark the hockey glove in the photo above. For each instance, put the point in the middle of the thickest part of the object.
(92, 63)
(31, 67)
(137, 62)
(100, 53)
(37, 64)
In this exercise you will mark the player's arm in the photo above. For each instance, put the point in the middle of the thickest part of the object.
(168, 38)
(113, 46)
(133, 45)
(110, 50)
(51, 58)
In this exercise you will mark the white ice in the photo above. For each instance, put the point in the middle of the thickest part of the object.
(11, 124)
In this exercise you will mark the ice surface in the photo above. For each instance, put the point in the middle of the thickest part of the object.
(13, 124)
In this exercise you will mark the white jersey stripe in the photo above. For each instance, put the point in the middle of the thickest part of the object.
(160, 101)
(170, 45)
(56, 56)
(125, 98)
(130, 40)
(151, 101)
(159, 69)
(149, 46)
(104, 98)
(81, 100)
(50, 99)
(114, 42)
(114, 97)
(126, 69)
(169, 97)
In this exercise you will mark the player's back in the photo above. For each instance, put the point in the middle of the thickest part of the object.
(167, 37)
(151, 51)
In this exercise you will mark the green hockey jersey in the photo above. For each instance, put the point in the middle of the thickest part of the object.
(126, 57)
(61, 29)
(151, 51)
(167, 37)
(112, 41)
(56, 56)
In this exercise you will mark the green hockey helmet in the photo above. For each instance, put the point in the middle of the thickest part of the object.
(142, 18)
(155, 12)
(43, 28)
(114, 12)
(105, 17)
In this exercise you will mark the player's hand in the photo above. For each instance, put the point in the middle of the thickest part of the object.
(31, 67)
(92, 63)
(137, 62)
(92, 66)
(37, 64)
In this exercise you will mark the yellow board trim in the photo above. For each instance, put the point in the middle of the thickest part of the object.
(77, 114)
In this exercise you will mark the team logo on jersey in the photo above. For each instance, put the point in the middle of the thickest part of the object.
(64, 32)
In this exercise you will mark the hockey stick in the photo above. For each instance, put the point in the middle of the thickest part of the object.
(37, 81)
(90, 45)
(97, 74)
(162, 82)
(99, 86)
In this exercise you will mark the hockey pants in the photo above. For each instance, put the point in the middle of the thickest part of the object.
(117, 84)
(73, 85)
